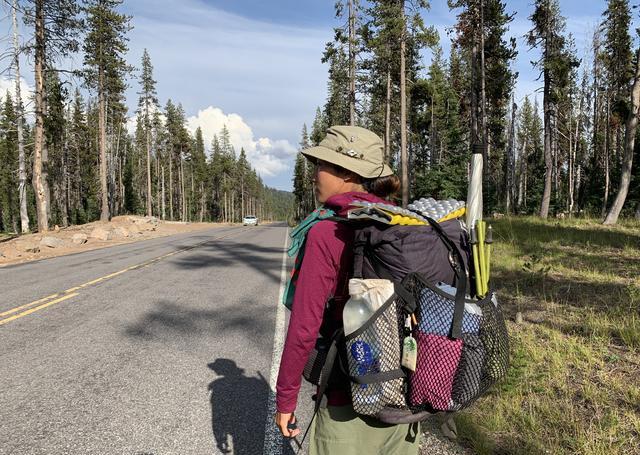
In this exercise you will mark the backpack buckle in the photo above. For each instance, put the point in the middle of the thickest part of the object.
(453, 261)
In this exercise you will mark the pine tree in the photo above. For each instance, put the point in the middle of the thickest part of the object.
(439, 153)
(9, 201)
(200, 171)
(630, 137)
(555, 66)
(242, 173)
(319, 127)
(22, 170)
(617, 62)
(147, 102)
(54, 21)
(530, 159)
(55, 127)
(105, 46)
(302, 184)
(487, 55)
(394, 39)
(336, 108)
(81, 165)
(215, 171)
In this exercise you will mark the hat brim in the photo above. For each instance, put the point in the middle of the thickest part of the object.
(361, 167)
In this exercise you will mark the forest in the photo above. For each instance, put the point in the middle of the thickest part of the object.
(66, 157)
(565, 151)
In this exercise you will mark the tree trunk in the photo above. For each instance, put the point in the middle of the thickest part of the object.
(170, 188)
(483, 95)
(38, 184)
(570, 167)
(192, 196)
(183, 216)
(233, 206)
(102, 131)
(149, 212)
(387, 117)
(158, 203)
(574, 167)
(403, 113)
(163, 203)
(64, 206)
(629, 143)
(202, 201)
(474, 92)
(607, 151)
(45, 167)
(522, 181)
(120, 205)
(432, 137)
(510, 193)
(22, 170)
(242, 211)
(554, 153)
(352, 64)
(548, 162)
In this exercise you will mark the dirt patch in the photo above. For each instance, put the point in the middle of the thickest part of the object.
(91, 236)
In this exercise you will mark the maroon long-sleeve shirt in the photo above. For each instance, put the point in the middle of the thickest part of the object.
(325, 272)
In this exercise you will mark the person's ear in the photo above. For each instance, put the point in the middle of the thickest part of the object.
(352, 177)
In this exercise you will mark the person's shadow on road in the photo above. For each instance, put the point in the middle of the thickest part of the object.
(239, 407)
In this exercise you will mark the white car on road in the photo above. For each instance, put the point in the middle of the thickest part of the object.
(249, 219)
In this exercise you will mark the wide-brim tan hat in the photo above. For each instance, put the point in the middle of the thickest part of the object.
(353, 148)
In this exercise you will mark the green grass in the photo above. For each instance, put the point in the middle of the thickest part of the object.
(574, 382)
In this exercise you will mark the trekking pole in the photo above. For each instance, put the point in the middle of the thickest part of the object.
(483, 264)
(488, 241)
(476, 260)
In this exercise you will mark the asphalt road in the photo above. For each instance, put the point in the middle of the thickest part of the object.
(163, 346)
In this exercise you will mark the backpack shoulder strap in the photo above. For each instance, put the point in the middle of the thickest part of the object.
(324, 376)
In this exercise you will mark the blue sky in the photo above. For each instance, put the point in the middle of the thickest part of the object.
(254, 65)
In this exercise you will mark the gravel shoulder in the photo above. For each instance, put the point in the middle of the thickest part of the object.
(91, 236)
(434, 442)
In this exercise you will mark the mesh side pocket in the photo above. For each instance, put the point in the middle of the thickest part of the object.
(313, 368)
(452, 373)
(432, 382)
(467, 385)
(485, 356)
(374, 355)
(494, 338)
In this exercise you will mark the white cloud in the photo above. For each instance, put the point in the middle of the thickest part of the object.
(270, 72)
(26, 91)
(267, 156)
(132, 122)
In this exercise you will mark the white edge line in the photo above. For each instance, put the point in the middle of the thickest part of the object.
(272, 437)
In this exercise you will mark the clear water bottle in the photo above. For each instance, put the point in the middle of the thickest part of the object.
(356, 311)
(366, 297)
(363, 352)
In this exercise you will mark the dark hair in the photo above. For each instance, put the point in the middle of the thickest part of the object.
(384, 187)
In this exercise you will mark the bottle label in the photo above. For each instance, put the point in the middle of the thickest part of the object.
(364, 359)
(409, 353)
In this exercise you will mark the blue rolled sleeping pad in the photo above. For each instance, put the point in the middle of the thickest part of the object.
(436, 313)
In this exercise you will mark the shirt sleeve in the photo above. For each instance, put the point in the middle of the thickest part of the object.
(316, 283)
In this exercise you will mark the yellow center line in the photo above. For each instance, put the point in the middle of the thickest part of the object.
(27, 305)
(71, 291)
(33, 310)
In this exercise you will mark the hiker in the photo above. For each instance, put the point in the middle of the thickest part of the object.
(349, 166)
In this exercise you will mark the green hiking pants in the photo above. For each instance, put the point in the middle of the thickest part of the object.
(338, 430)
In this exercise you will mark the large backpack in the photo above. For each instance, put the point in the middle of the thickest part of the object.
(462, 340)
